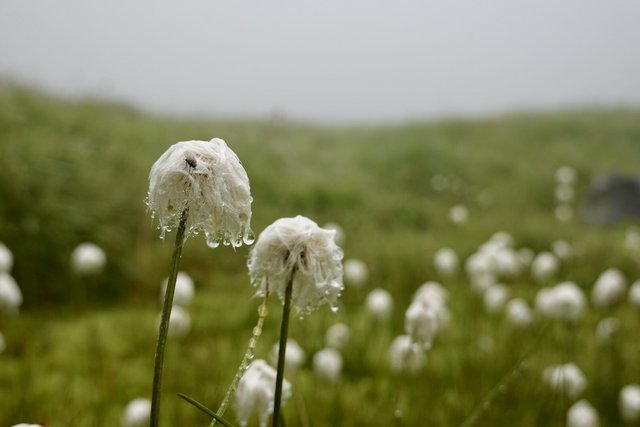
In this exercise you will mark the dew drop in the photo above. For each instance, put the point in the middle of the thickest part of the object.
(263, 311)
(257, 331)
(226, 241)
(334, 308)
(249, 237)
(238, 241)
(212, 243)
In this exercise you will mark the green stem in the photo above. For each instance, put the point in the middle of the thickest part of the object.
(284, 330)
(164, 322)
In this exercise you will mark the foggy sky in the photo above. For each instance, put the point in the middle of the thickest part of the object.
(361, 60)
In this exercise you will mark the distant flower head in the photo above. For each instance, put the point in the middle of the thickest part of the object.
(634, 294)
(10, 295)
(337, 336)
(544, 266)
(609, 289)
(207, 178)
(495, 297)
(562, 249)
(379, 304)
(518, 313)
(567, 379)
(256, 393)
(459, 214)
(422, 322)
(88, 259)
(446, 262)
(431, 293)
(582, 414)
(298, 246)
(564, 193)
(184, 291)
(606, 330)
(356, 272)
(179, 322)
(564, 212)
(294, 355)
(327, 364)
(629, 402)
(565, 301)
(566, 175)
(406, 356)
(137, 413)
(6, 259)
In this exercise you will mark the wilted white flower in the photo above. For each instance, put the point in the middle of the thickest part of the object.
(327, 364)
(565, 301)
(356, 272)
(405, 355)
(379, 304)
(566, 175)
(564, 212)
(184, 290)
(518, 313)
(609, 289)
(207, 179)
(10, 295)
(337, 336)
(446, 261)
(582, 414)
(136, 413)
(458, 214)
(88, 259)
(634, 294)
(567, 378)
(340, 235)
(564, 193)
(562, 249)
(298, 246)
(6, 259)
(256, 393)
(544, 266)
(3, 344)
(179, 322)
(495, 297)
(294, 355)
(606, 330)
(629, 402)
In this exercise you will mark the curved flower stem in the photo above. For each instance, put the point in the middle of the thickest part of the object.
(263, 311)
(282, 349)
(164, 321)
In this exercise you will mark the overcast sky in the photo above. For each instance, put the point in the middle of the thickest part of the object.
(360, 60)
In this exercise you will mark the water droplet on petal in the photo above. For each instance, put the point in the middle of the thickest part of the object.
(249, 237)
(334, 308)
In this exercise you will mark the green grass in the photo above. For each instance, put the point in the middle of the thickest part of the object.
(81, 349)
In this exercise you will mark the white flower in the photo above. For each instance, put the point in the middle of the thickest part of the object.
(184, 290)
(567, 378)
(582, 414)
(564, 212)
(137, 413)
(327, 364)
(565, 301)
(562, 249)
(294, 355)
(634, 294)
(356, 272)
(566, 175)
(502, 239)
(629, 402)
(564, 193)
(3, 344)
(10, 295)
(207, 178)
(606, 330)
(422, 322)
(458, 214)
(609, 289)
(88, 259)
(379, 304)
(431, 293)
(446, 262)
(337, 336)
(632, 239)
(340, 235)
(179, 322)
(544, 266)
(518, 313)
(495, 297)
(405, 355)
(6, 259)
(256, 393)
(298, 246)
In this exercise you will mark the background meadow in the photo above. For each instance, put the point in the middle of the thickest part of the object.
(81, 348)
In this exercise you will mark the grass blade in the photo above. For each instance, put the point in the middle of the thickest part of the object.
(205, 410)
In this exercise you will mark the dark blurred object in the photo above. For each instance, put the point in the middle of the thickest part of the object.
(612, 198)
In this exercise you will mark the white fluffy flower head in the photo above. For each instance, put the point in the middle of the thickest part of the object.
(10, 295)
(298, 247)
(567, 378)
(379, 304)
(406, 356)
(609, 289)
(184, 291)
(207, 178)
(582, 414)
(294, 355)
(6, 259)
(629, 401)
(256, 393)
(137, 413)
(327, 364)
(88, 259)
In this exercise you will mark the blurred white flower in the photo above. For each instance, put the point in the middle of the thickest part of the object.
(340, 235)
(136, 413)
(526, 255)
(439, 182)
(502, 239)
(518, 313)
(495, 297)
(564, 193)
(6, 259)
(337, 336)
(88, 259)
(422, 322)
(562, 249)
(207, 178)
(379, 304)
(544, 266)
(10, 295)
(297, 245)
(606, 330)
(256, 393)
(3, 344)
(632, 239)
(179, 322)
(184, 290)
(634, 294)
(629, 402)
(564, 212)
(431, 293)
(609, 289)
(565, 301)
(567, 379)
(446, 262)
(406, 356)
(356, 272)
(458, 214)
(582, 414)
(327, 364)
(294, 355)
(566, 175)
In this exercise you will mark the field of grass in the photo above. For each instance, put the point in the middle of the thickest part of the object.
(81, 349)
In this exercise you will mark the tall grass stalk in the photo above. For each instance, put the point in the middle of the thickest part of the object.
(282, 349)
